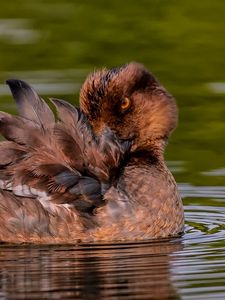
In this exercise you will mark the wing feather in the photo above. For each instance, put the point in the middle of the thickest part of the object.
(29, 104)
(62, 161)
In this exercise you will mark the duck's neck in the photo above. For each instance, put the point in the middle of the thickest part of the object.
(145, 156)
(150, 152)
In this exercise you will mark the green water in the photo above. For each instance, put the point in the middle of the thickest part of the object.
(55, 44)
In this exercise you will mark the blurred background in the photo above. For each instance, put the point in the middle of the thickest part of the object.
(54, 44)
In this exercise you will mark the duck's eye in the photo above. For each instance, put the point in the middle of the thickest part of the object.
(124, 103)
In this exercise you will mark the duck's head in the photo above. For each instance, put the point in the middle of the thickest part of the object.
(131, 101)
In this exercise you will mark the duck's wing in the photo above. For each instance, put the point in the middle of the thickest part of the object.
(59, 162)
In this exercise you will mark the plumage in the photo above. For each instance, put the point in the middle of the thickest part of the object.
(30, 106)
(94, 173)
(10, 153)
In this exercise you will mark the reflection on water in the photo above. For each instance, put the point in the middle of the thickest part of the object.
(123, 271)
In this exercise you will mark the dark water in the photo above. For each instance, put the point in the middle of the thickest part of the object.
(54, 44)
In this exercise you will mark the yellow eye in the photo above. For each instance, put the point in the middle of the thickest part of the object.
(125, 103)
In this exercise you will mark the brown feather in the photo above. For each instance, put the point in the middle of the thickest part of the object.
(10, 153)
(67, 113)
(30, 105)
(20, 131)
(64, 161)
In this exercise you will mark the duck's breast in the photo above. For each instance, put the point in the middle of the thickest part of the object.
(144, 204)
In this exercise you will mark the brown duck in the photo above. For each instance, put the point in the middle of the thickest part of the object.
(94, 173)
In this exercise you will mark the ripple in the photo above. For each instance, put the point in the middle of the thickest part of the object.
(127, 271)
(198, 271)
(204, 224)
(188, 190)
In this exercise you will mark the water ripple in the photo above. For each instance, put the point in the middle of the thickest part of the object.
(188, 190)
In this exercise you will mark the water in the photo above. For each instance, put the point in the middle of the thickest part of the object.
(54, 45)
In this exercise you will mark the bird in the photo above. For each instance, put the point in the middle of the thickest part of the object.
(93, 173)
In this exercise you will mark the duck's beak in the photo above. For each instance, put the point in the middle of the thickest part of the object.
(102, 129)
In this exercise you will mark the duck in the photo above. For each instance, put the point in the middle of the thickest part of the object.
(93, 173)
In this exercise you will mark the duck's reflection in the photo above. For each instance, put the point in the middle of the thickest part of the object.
(125, 271)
